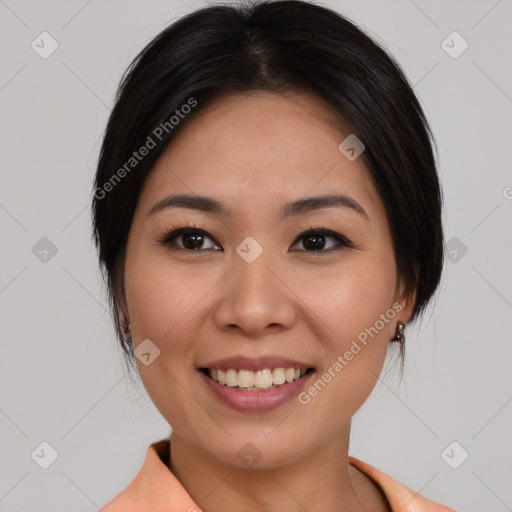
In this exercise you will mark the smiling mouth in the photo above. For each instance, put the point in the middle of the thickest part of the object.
(260, 380)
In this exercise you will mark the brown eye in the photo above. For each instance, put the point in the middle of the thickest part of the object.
(316, 240)
(194, 239)
(188, 239)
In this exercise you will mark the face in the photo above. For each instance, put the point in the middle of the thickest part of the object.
(248, 291)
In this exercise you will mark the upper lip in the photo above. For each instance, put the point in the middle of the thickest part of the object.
(255, 363)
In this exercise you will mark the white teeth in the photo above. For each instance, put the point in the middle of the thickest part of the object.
(245, 379)
(248, 380)
(231, 378)
(278, 376)
(263, 378)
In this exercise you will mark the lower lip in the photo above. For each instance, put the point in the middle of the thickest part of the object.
(256, 401)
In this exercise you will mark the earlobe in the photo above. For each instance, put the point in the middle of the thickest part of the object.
(125, 321)
(404, 306)
(126, 327)
(408, 306)
(407, 302)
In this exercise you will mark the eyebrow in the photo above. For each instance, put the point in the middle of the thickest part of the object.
(211, 205)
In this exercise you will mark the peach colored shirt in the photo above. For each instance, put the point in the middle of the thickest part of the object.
(156, 489)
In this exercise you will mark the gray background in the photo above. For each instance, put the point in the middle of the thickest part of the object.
(61, 375)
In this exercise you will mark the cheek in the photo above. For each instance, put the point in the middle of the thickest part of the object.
(164, 305)
(162, 300)
(349, 298)
(352, 303)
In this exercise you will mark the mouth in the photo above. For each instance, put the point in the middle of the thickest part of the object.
(265, 379)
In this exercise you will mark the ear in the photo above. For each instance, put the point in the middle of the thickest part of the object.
(124, 311)
(123, 315)
(406, 302)
(122, 306)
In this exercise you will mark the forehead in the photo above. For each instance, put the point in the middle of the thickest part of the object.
(260, 148)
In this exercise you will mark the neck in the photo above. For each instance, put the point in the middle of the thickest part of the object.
(319, 481)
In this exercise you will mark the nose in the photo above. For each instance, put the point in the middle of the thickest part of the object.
(255, 299)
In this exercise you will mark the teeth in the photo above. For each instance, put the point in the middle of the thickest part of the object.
(245, 379)
(231, 378)
(248, 380)
(263, 378)
(278, 376)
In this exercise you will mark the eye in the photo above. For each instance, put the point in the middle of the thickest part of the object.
(187, 238)
(316, 240)
(191, 238)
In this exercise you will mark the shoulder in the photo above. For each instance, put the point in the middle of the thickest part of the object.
(154, 487)
(400, 497)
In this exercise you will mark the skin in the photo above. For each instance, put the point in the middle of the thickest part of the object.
(255, 152)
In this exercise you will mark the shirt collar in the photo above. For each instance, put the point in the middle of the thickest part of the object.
(156, 488)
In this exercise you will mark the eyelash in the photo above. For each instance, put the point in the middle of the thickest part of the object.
(173, 232)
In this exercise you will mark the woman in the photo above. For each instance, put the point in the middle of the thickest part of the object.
(268, 216)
